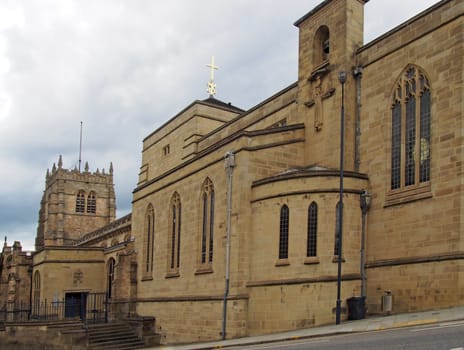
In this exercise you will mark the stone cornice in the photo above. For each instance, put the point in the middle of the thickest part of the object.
(318, 279)
(415, 260)
(306, 173)
(303, 192)
(68, 261)
(187, 298)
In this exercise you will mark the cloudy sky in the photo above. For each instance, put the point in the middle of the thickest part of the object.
(125, 67)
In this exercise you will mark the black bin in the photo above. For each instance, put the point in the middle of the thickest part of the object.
(356, 308)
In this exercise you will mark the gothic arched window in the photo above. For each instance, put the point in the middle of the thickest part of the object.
(311, 248)
(410, 130)
(207, 226)
(80, 202)
(91, 203)
(110, 276)
(174, 241)
(283, 234)
(149, 240)
(36, 293)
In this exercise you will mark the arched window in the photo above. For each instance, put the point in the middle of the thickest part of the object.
(174, 242)
(338, 209)
(207, 227)
(80, 202)
(37, 280)
(283, 237)
(321, 45)
(36, 293)
(410, 126)
(311, 248)
(110, 276)
(149, 237)
(91, 203)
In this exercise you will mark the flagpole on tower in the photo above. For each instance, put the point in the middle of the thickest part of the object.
(80, 149)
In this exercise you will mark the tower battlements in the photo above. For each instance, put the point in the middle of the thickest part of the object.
(59, 173)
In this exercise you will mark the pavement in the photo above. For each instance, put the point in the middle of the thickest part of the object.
(371, 323)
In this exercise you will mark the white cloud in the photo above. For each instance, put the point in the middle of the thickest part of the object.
(126, 67)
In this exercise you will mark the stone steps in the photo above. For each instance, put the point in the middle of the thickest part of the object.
(114, 336)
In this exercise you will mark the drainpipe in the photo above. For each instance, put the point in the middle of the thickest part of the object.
(229, 165)
(31, 270)
(357, 72)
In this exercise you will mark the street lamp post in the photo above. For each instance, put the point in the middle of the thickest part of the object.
(229, 164)
(342, 79)
(365, 203)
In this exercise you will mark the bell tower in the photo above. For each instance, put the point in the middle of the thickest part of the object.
(74, 202)
(329, 36)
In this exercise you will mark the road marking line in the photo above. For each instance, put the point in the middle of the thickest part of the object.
(281, 346)
(414, 323)
(437, 327)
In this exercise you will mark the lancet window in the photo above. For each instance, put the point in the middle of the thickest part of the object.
(311, 248)
(36, 292)
(283, 235)
(80, 202)
(174, 241)
(207, 226)
(110, 276)
(91, 203)
(149, 238)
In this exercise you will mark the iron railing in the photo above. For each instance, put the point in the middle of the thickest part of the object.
(93, 308)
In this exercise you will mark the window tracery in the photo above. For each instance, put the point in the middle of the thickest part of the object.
(410, 130)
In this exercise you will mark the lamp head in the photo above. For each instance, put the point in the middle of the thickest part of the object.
(365, 201)
(342, 77)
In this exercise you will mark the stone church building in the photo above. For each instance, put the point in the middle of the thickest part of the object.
(241, 218)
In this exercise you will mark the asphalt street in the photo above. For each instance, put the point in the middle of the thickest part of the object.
(441, 336)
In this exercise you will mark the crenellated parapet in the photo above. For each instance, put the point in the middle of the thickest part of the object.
(59, 173)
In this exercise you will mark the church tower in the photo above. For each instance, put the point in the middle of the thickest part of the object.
(74, 202)
(329, 37)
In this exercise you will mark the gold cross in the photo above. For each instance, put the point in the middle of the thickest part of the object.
(213, 68)
(211, 86)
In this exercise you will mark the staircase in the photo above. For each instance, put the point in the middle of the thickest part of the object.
(114, 336)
